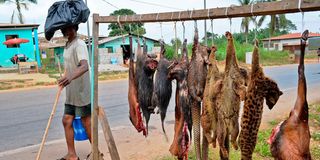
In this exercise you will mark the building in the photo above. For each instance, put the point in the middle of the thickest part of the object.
(115, 49)
(30, 49)
(289, 42)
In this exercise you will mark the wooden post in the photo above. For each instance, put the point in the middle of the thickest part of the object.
(94, 109)
(108, 135)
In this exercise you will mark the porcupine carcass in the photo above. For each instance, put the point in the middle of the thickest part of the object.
(162, 86)
(196, 83)
(145, 68)
(232, 90)
(183, 119)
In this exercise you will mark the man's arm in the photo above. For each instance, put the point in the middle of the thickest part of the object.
(79, 71)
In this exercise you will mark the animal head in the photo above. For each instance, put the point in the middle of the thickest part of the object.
(177, 70)
(136, 119)
(244, 75)
(151, 64)
(272, 92)
(212, 56)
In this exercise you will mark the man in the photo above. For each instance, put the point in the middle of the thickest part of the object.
(318, 53)
(76, 80)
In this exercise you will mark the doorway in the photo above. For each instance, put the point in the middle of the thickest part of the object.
(126, 53)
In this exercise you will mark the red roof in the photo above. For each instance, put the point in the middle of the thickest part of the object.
(292, 36)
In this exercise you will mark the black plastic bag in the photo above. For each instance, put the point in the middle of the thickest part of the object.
(65, 13)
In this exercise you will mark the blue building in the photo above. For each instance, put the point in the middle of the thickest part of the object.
(111, 47)
(30, 49)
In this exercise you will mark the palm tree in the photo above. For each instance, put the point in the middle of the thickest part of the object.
(245, 20)
(277, 22)
(20, 4)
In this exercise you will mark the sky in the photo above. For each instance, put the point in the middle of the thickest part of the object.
(37, 14)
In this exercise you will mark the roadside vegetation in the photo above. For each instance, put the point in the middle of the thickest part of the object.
(262, 150)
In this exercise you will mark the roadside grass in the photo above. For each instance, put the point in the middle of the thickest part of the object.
(262, 149)
(268, 58)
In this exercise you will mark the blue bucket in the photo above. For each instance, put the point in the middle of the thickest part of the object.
(79, 131)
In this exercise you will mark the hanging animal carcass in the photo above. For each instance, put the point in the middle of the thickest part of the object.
(291, 138)
(183, 121)
(260, 88)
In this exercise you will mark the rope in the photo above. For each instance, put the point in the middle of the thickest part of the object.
(191, 14)
(255, 20)
(212, 34)
(183, 31)
(175, 36)
(302, 18)
(161, 30)
(121, 29)
(209, 13)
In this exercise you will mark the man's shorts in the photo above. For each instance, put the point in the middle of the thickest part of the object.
(82, 111)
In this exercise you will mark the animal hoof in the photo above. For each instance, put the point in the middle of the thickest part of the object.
(199, 99)
(235, 146)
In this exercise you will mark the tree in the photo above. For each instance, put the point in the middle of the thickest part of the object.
(245, 20)
(136, 28)
(278, 23)
(20, 4)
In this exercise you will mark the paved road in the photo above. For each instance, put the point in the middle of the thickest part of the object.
(24, 114)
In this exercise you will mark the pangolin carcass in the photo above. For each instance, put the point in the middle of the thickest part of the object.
(291, 138)
(162, 86)
(232, 89)
(183, 119)
(146, 65)
(196, 84)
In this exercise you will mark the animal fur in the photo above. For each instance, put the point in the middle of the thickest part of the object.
(209, 109)
(162, 86)
(183, 121)
(196, 84)
(134, 108)
(232, 91)
(145, 68)
(291, 139)
(260, 88)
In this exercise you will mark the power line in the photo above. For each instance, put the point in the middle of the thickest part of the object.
(155, 4)
(111, 4)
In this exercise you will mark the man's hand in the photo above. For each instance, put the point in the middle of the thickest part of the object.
(64, 81)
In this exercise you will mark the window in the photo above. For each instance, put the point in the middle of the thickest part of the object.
(11, 37)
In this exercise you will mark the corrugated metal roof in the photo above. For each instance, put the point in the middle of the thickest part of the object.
(9, 25)
(291, 36)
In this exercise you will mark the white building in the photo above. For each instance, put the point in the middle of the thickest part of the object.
(289, 42)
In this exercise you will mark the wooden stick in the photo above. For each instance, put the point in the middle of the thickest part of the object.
(59, 66)
(108, 135)
(49, 122)
(94, 117)
(259, 9)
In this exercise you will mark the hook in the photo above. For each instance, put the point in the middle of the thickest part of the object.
(191, 14)
(161, 30)
(157, 17)
(226, 12)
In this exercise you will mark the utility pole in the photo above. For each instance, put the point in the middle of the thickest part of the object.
(205, 25)
(88, 31)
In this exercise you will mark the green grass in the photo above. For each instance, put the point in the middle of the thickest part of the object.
(262, 147)
(267, 57)
(315, 152)
(274, 123)
(316, 136)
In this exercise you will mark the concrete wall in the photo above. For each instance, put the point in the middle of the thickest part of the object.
(29, 49)
(116, 44)
(105, 57)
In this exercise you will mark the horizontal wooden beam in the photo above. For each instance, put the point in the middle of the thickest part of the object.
(258, 9)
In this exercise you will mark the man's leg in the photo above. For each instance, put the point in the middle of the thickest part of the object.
(86, 121)
(67, 120)
(85, 114)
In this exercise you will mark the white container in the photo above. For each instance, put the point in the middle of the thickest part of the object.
(248, 57)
